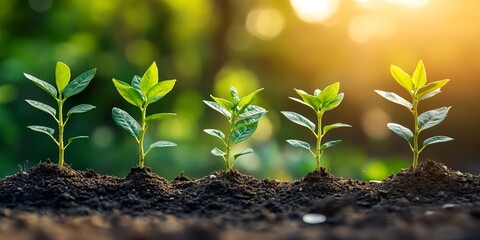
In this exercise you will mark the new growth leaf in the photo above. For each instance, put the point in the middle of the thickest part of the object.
(321, 101)
(65, 89)
(243, 119)
(418, 89)
(142, 92)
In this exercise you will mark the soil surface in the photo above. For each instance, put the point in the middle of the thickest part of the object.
(431, 202)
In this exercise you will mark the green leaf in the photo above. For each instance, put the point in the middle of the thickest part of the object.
(126, 122)
(215, 106)
(329, 93)
(136, 82)
(149, 79)
(333, 126)
(217, 152)
(401, 131)
(242, 133)
(75, 138)
(330, 144)
(310, 100)
(299, 119)
(43, 107)
(402, 78)
(432, 118)
(253, 111)
(47, 87)
(223, 102)
(62, 76)
(244, 152)
(215, 133)
(80, 109)
(302, 102)
(132, 95)
(160, 90)
(161, 144)
(157, 117)
(334, 103)
(246, 122)
(234, 95)
(299, 144)
(393, 97)
(419, 77)
(436, 139)
(429, 95)
(431, 87)
(247, 100)
(79, 84)
(42, 129)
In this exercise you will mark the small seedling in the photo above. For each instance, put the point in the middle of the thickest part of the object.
(416, 85)
(243, 119)
(64, 90)
(141, 93)
(321, 101)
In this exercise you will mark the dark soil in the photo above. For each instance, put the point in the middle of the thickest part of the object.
(431, 202)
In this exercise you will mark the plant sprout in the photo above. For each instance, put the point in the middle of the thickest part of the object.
(141, 93)
(321, 101)
(416, 85)
(243, 119)
(64, 90)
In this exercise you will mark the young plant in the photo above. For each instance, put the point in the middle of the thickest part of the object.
(64, 90)
(141, 93)
(416, 85)
(243, 119)
(321, 101)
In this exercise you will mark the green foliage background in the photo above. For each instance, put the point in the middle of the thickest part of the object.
(208, 46)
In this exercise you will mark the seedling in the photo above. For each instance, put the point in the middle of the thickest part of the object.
(243, 119)
(64, 90)
(321, 101)
(141, 93)
(416, 85)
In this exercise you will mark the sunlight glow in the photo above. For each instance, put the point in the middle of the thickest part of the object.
(372, 120)
(410, 3)
(364, 28)
(315, 11)
(265, 24)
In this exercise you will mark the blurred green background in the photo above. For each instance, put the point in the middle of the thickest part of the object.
(208, 45)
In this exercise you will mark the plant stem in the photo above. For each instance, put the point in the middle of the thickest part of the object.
(61, 147)
(229, 146)
(416, 153)
(141, 152)
(318, 149)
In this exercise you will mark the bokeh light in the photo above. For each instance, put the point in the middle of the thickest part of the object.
(315, 11)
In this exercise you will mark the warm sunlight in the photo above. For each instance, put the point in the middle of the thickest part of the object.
(315, 10)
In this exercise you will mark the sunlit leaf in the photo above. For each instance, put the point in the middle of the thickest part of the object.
(161, 144)
(247, 100)
(160, 90)
(215, 106)
(246, 122)
(215, 133)
(80, 109)
(436, 139)
(223, 102)
(316, 92)
(43, 107)
(330, 144)
(253, 110)
(419, 76)
(158, 117)
(234, 95)
(393, 97)
(299, 119)
(329, 93)
(47, 87)
(432, 118)
(298, 144)
(310, 100)
(62, 76)
(429, 95)
(333, 126)
(217, 152)
(334, 103)
(136, 82)
(149, 79)
(431, 87)
(401, 131)
(126, 122)
(244, 152)
(402, 78)
(132, 95)
(42, 129)
(79, 84)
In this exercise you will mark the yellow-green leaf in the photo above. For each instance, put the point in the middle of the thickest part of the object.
(149, 79)
(401, 77)
(329, 93)
(62, 76)
(419, 77)
(132, 95)
(431, 87)
(160, 90)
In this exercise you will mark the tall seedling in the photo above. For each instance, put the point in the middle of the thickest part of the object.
(321, 101)
(141, 93)
(243, 120)
(64, 90)
(418, 89)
